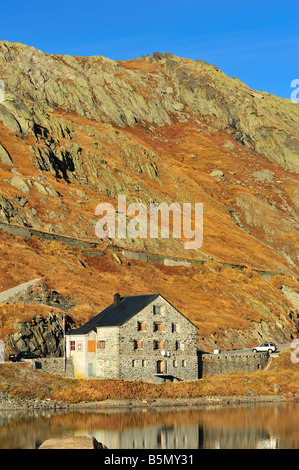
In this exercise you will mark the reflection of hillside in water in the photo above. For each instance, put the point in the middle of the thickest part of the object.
(267, 426)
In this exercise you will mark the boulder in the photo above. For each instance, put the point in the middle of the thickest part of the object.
(76, 442)
(9, 121)
(6, 208)
(217, 174)
(20, 184)
(4, 156)
(178, 106)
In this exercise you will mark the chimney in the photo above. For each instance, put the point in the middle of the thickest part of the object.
(116, 299)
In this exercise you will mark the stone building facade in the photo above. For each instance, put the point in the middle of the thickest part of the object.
(136, 338)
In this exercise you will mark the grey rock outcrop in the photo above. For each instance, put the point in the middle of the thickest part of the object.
(41, 335)
(36, 291)
(111, 92)
(4, 156)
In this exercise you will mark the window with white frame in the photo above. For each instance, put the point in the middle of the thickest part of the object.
(179, 345)
(158, 310)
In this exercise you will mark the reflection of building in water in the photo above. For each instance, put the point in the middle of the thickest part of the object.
(196, 436)
(270, 443)
(252, 427)
(246, 438)
(153, 437)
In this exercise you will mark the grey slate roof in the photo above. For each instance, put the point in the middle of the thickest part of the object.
(116, 315)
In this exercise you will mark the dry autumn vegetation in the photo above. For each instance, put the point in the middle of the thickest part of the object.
(79, 131)
(21, 381)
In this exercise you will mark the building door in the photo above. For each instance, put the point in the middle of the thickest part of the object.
(160, 367)
(90, 369)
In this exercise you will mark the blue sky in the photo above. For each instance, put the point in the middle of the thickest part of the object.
(256, 41)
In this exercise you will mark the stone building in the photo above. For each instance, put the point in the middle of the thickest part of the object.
(140, 337)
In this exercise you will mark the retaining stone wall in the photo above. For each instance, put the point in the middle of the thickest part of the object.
(130, 254)
(215, 364)
(54, 365)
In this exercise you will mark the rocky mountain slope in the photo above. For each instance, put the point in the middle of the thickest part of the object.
(78, 131)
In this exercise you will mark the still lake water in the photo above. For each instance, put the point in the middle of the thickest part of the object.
(270, 426)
